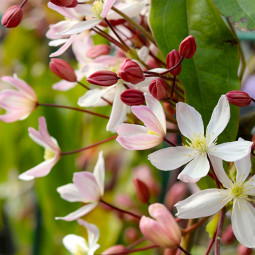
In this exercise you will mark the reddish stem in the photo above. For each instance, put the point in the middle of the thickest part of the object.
(23, 3)
(211, 243)
(166, 140)
(134, 250)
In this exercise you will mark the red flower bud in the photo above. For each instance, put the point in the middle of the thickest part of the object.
(62, 69)
(228, 236)
(131, 72)
(238, 98)
(73, 4)
(188, 47)
(242, 250)
(158, 88)
(103, 78)
(142, 191)
(98, 50)
(12, 16)
(173, 59)
(65, 3)
(132, 97)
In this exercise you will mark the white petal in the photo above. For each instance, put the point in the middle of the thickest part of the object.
(64, 85)
(243, 222)
(73, 243)
(219, 120)
(243, 167)
(189, 120)
(202, 204)
(249, 186)
(220, 172)
(70, 193)
(171, 158)
(195, 169)
(231, 151)
(99, 172)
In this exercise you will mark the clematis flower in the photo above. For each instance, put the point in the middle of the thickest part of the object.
(137, 137)
(198, 145)
(78, 245)
(87, 188)
(241, 192)
(52, 152)
(18, 104)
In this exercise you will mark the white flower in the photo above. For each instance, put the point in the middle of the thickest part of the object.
(77, 245)
(199, 145)
(208, 202)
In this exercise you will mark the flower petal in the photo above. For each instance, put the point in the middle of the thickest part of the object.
(243, 167)
(99, 172)
(195, 169)
(202, 204)
(171, 158)
(73, 242)
(189, 120)
(70, 193)
(64, 85)
(243, 222)
(107, 6)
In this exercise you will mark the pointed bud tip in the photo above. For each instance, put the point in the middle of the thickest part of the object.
(188, 47)
(142, 190)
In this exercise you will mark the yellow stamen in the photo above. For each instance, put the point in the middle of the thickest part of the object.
(198, 142)
(49, 154)
(98, 8)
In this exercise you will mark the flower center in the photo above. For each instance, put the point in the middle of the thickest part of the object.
(198, 142)
(79, 250)
(237, 190)
(98, 8)
(49, 154)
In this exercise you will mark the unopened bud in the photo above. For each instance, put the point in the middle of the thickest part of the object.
(173, 58)
(188, 47)
(12, 16)
(158, 88)
(65, 3)
(98, 50)
(103, 78)
(131, 235)
(228, 236)
(242, 250)
(142, 190)
(131, 72)
(115, 249)
(132, 97)
(238, 98)
(62, 69)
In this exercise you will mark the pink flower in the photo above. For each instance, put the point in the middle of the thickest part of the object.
(137, 137)
(163, 229)
(86, 188)
(52, 152)
(18, 104)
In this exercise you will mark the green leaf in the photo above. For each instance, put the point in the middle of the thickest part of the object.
(212, 225)
(213, 69)
(241, 12)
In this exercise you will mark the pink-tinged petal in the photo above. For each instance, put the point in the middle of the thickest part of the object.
(108, 60)
(70, 193)
(66, 12)
(149, 119)
(131, 129)
(81, 26)
(71, 242)
(55, 29)
(231, 151)
(64, 85)
(243, 167)
(156, 107)
(139, 142)
(220, 172)
(249, 186)
(243, 222)
(78, 213)
(14, 116)
(107, 6)
(99, 172)
(196, 169)
(87, 185)
(172, 157)
(219, 120)
(58, 42)
(189, 120)
(202, 204)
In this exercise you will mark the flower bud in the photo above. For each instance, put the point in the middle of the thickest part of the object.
(62, 69)
(98, 50)
(132, 97)
(103, 78)
(65, 3)
(158, 88)
(115, 249)
(173, 58)
(238, 98)
(242, 250)
(131, 72)
(228, 236)
(188, 47)
(131, 235)
(12, 16)
(142, 190)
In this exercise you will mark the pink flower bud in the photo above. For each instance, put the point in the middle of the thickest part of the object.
(115, 249)
(163, 229)
(142, 190)
(188, 47)
(176, 193)
(242, 250)
(131, 235)
(173, 58)
(98, 50)
(228, 236)
(131, 72)
(12, 16)
(158, 88)
(65, 3)
(62, 69)
(132, 97)
(103, 78)
(238, 98)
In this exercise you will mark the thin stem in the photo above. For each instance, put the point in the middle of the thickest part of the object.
(121, 210)
(23, 3)
(89, 147)
(83, 85)
(140, 240)
(183, 250)
(194, 226)
(211, 243)
(173, 86)
(253, 100)
(166, 140)
(75, 109)
(219, 232)
(134, 250)
(214, 175)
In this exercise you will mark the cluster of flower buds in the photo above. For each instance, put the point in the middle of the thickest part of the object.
(12, 16)
(65, 3)
(238, 98)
